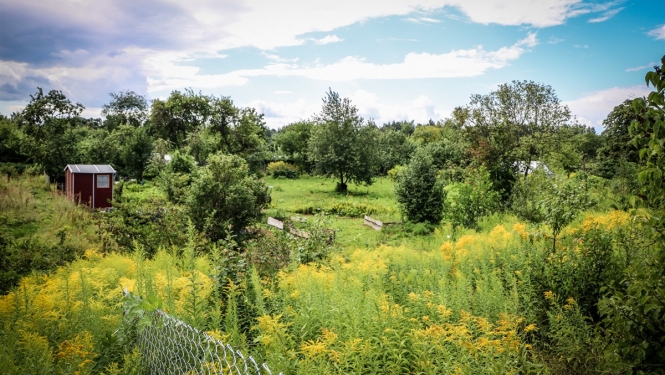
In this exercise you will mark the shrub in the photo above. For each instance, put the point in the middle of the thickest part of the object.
(224, 198)
(392, 174)
(282, 169)
(472, 200)
(526, 194)
(419, 192)
(346, 209)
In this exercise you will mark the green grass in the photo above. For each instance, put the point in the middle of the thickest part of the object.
(292, 197)
(134, 191)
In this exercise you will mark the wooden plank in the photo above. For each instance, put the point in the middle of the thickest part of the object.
(298, 232)
(371, 224)
(377, 225)
(276, 223)
(377, 222)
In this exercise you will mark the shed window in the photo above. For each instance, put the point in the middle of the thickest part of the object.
(102, 181)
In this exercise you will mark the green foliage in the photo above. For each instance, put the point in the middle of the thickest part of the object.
(394, 172)
(281, 169)
(342, 146)
(419, 192)
(648, 131)
(177, 176)
(346, 209)
(39, 230)
(293, 141)
(617, 148)
(11, 142)
(394, 149)
(468, 202)
(527, 194)
(515, 123)
(152, 223)
(224, 198)
(178, 115)
(562, 201)
(634, 308)
(135, 150)
(125, 108)
(49, 124)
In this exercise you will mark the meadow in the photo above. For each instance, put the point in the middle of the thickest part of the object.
(492, 301)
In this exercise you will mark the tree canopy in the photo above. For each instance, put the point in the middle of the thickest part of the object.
(342, 145)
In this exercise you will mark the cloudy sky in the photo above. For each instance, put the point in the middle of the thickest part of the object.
(396, 60)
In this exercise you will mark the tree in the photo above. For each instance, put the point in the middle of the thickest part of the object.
(467, 202)
(224, 199)
(293, 139)
(394, 149)
(342, 145)
(617, 148)
(419, 193)
(49, 122)
(125, 107)
(136, 150)
(634, 308)
(11, 140)
(179, 115)
(561, 202)
(240, 131)
(513, 124)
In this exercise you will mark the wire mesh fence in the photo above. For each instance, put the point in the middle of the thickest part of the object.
(171, 346)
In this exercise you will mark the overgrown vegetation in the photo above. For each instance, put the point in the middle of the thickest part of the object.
(514, 240)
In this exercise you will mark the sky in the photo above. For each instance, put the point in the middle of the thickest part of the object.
(396, 60)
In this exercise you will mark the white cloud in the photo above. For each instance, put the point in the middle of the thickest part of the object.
(641, 67)
(422, 20)
(382, 110)
(606, 15)
(457, 63)
(554, 40)
(658, 33)
(379, 108)
(327, 40)
(592, 108)
(282, 92)
(277, 58)
(280, 114)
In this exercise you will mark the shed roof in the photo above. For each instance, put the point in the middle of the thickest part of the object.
(90, 168)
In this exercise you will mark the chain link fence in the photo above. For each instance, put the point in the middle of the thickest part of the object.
(171, 346)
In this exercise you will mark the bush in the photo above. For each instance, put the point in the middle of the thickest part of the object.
(224, 198)
(282, 169)
(472, 200)
(419, 192)
(526, 194)
(392, 174)
(346, 209)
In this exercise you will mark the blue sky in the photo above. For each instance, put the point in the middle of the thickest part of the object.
(396, 60)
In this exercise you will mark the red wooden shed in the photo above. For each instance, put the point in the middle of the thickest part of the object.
(90, 184)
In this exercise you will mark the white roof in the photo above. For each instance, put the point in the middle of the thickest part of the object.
(90, 168)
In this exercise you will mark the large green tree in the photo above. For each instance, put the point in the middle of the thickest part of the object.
(125, 108)
(617, 148)
(342, 145)
(511, 125)
(181, 113)
(49, 121)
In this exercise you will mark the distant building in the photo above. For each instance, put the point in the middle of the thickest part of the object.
(534, 165)
(90, 184)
